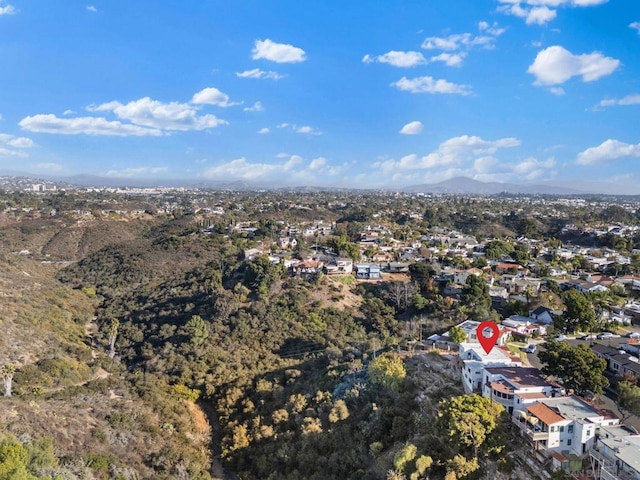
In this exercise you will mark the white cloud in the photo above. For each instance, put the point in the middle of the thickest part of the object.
(263, 131)
(168, 116)
(540, 16)
(555, 65)
(453, 152)
(559, 91)
(8, 144)
(452, 46)
(306, 129)
(317, 163)
(459, 40)
(91, 8)
(412, 128)
(430, 85)
(257, 73)
(292, 162)
(212, 96)
(628, 100)
(449, 59)
(492, 29)
(6, 9)
(532, 169)
(635, 26)
(289, 166)
(257, 107)
(49, 123)
(277, 52)
(607, 151)
(17, 142)
(540, 12)
(69, 112)
(397, 59)
(5, 152)
(136, 171)
(56, 167)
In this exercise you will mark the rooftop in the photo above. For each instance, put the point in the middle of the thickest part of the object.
(574, 409)
(546, 414)
(520, 377)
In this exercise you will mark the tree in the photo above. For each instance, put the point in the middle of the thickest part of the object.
(579, 313)
(404, 456)
(421, 273)
(13, 461)
(469, 419)
(496, 249)
(578, 368)
(423, 463)
(459, 467)
(387, 370)
(7, 372)
(628, 398)
(196, 330)
(379, 316)
(475, 296)
(339, 411)
(457, 334)
(261, 274)
(113, 334)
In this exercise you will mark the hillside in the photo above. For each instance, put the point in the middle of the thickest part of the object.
(217, 364)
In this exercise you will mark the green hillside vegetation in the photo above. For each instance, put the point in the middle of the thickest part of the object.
(285, 375)
(69, 396)
(162, 354)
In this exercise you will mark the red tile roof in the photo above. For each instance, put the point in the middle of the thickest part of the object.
(546, 414)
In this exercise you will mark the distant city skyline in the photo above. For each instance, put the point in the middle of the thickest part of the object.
(330, 94)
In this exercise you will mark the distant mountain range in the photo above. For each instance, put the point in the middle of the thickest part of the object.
(464, 185)
(455, 186)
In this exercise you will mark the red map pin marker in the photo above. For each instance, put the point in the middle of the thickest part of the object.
(488, 342)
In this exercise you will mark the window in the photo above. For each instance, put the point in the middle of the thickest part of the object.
(569, 442)
(562, 428)
(570, 429)
(552, 429)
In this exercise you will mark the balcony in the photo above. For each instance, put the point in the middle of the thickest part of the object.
(535, 433)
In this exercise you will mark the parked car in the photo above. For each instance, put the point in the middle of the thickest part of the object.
(590, 336)
(605, 335)
(560, 338)
(530, 349)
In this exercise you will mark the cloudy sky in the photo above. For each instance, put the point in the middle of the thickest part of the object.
(326, 93)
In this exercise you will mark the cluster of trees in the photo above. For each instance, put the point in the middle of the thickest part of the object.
(31, 461)
(579, 368)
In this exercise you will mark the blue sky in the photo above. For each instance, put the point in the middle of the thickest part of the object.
(324, 93)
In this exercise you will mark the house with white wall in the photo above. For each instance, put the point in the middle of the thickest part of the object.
(616, 453)
(474, 361)
(564, 425)
(516, 387)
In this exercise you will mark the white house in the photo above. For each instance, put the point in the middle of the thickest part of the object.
(542, 315)
(516, 387)
(616, 453)
(566, 425)
(474, 361)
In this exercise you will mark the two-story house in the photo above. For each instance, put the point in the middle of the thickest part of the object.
(566, 425)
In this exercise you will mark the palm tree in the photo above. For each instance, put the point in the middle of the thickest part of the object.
(113, 334)
(7, 372)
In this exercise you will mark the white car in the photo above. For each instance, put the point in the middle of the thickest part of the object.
(606, 335)
(560, 338)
